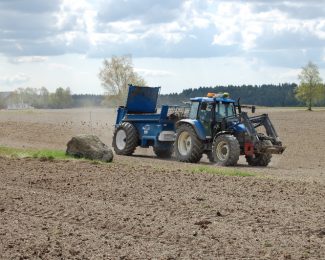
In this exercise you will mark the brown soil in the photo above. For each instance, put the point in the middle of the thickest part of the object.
(141, 207)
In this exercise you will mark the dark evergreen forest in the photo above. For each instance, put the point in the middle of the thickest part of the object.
(264, 95)
(282, 95)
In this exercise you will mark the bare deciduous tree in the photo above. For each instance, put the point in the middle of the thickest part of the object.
(116, 74)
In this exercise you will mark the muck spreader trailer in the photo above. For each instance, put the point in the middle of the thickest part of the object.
(214, 125)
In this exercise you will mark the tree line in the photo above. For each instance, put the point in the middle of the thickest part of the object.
(118, 72)
(40, 98)
(264, 95)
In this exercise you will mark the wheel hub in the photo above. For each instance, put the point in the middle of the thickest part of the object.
(222, 151)
(120, 139)
(184, 143)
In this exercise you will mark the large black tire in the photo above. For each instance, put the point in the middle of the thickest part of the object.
(261, 159)
(188, 146)
(164, 150)
(125, 139)
(225, 150)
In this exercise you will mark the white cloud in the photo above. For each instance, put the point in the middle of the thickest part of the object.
(199, 29)
(226, 38)
(239, 25)
(289, 75)
(153, 73)
(15, 80)
(59, 66)
(285, 34)
(29, 59)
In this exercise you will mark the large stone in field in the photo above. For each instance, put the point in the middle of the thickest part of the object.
(89, 147)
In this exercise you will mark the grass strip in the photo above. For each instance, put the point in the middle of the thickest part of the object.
(31, 153)
(221, 171)
(43, 154)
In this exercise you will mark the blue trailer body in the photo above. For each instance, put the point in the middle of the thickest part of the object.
(153, 128)
(142, 99)
(150, 127)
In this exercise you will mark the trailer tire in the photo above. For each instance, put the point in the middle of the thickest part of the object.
(260, 159)
(164, 151)
(188, 146)
(225, 150)
(125, 139)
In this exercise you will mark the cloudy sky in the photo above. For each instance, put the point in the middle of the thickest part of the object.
(174, 44)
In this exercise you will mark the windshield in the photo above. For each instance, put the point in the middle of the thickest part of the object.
(225, 110)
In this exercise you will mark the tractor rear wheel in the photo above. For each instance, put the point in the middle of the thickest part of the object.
(164, 150)
(125, 139)
(225, 150)
(188, 146)
(260, 159)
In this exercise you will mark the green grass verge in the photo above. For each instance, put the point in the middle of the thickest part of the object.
(30, 153)
(221, 171)
(43, 154)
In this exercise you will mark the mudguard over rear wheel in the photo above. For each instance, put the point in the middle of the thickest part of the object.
(188, 146)
(225, 150)
(125, 139)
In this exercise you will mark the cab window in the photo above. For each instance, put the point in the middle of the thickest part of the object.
(193, 110)
(224, 110)
(205, 112)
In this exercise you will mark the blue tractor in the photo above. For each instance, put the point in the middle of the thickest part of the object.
(218, 127)
(215, 125)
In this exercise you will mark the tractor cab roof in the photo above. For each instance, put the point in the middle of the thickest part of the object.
(212, 99)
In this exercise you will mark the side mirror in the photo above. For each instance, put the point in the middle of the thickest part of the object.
(253, 109)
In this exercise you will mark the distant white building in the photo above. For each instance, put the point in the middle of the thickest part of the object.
(7, 102)
(19, 106)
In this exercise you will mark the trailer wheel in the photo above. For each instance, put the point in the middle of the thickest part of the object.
(188, 146)
(225, 150)
(164, 150)
(125, 139)
(261, 159)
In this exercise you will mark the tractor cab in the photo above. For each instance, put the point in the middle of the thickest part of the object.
(215, 112)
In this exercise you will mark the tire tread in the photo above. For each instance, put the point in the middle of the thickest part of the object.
(131, 139)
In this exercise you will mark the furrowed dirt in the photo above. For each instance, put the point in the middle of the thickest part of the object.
(141, 207)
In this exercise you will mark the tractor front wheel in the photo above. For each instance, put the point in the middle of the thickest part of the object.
(225, 150)
(188, 146)
(260, 159)
(125, 139)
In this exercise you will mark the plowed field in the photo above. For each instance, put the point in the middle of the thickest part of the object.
(141, 207)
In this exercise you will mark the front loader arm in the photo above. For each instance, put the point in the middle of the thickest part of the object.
(251, 123)
(264, 120)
